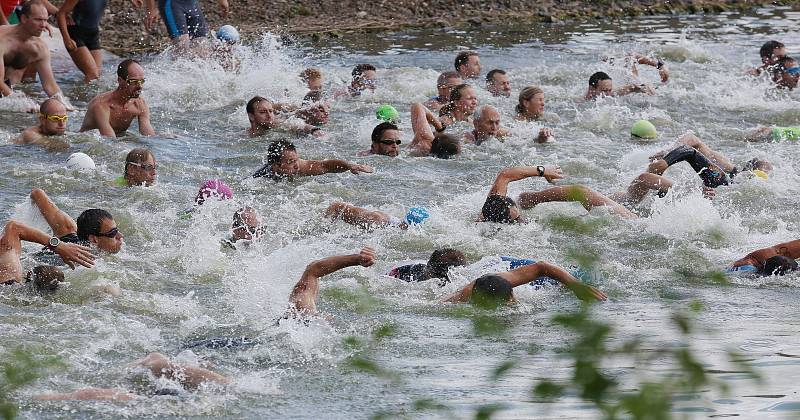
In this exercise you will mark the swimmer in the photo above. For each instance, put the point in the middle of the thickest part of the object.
(500, 208)
(644, 130)
(81, 35)
(303, 298)
(140, 169)
(492, 290)
(444, 86)
(315, 111)
(373, 219)
(213, 188)
(468, 64)
(245, 227)
(94, 227)
(21, 46)
(439, 263)
(486, 121)
(283, 162)
(463, 103)
(365, 77)
(112, 113)
(52, 122)
(768, 134)
(497, 83)
(770, 53)
(713, 167)
(190, 377)
(786, 73)
(11, 250)
(385, 141)
(312, 77)
(774, 260)
(600, 85)
(261, 113)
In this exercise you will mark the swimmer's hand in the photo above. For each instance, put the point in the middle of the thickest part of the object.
(70, 44)
(74, 253)
(709, 192)
(553, 173)
(545, 135)
(366, 257)
(59, 96)
(356, 168)
(664, 73)
(151, 17)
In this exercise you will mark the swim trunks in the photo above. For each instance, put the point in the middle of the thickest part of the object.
(85, 37)
(87, 13)
(785, 133)
(183, 17)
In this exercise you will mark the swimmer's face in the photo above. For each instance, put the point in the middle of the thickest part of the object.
(144, 173)
(108, 227)
(472, 68)
(500, 85)
(445, 89)
(605, 87)
(515, 215)
(468, 102)
(289, 164)
(489, 123)
(263, 115)
(388, 145)
(367, 80)
(316, 115)
(315, 84)
(53, 128)
(248, 228)
(36, 22)
(131, 87)
(777, 53)
(534, 107)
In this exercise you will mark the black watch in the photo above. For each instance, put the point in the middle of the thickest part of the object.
(540, 168)
(53, 242)
(659, 64)
(444, 127)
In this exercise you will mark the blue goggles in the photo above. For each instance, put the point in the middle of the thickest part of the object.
(793, 70)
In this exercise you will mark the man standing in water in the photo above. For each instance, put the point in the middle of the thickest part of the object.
(283, 162)
(21, 46)
(261, 114)
(113, 112)
(468, 64)
(52, 122)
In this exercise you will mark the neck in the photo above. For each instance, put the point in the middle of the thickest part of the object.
(120, 95)
(258, 129)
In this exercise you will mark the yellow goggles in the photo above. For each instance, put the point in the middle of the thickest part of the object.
(55, 118)
(138, 82)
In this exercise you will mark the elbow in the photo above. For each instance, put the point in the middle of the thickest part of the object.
(38, 194)
(12, 227)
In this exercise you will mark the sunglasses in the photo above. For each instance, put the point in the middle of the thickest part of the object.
(147, 167)
(110, 234)
(389, 142)
(55, 118)
(137, 82)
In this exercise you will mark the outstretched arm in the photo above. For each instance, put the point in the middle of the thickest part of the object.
(61, 223)
(789, 249)
(580, 193)
(529, 273)
(304, 295)
(357, 216)
(319, 167)
(70, 253)
(508, 175)
(189, 376)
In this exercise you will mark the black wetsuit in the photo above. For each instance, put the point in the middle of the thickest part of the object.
(708, 172)
(86, 30)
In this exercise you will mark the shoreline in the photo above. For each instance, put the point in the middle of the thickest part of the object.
(124, 34)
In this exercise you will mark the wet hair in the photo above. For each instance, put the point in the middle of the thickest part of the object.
(455, 95)
(497, 208)
(312, 96)
(463, 58)
(778, 266)
(251, 104)
(89, 222)
(123, 68)
(310, 73)
(359, 70)
(446, 75)
(768, 47)
(490, 75)
(442, 259)
(527, 93)
(597, 77)
(276, 148)
(445, 146)
(377, 132)
(46, 278)
(490, 291)
(137, 155)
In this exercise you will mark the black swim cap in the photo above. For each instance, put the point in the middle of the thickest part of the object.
(491, 291)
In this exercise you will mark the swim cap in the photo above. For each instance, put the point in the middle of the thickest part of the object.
(761, 174)
(644, 129)
(417, 215)
(213, 188)
(387, 113)
(228, 33)
(80, 161)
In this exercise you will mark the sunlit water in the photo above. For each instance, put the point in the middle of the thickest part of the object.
(179, 286)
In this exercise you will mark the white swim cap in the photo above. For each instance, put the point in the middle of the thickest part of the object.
(228, 33)
(80, 161)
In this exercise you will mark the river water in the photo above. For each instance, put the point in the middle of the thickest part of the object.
(179, 286)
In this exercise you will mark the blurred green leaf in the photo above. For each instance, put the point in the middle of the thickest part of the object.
(502, 369)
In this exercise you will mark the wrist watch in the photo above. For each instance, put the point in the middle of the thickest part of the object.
(540, 168)
(659, 64)
(53, 242)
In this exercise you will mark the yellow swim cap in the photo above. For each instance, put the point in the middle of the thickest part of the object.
(761, 174)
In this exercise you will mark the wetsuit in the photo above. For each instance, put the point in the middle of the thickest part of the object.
(709, 173)
(86, 30)
(409, 272)
(183, 17)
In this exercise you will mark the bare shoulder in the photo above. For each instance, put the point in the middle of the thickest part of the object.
(29, 135)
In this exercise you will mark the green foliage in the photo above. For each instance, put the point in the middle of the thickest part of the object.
(581, 225)
(20, 367)
(358, 300)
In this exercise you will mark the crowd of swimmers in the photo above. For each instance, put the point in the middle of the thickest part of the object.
(437, 132)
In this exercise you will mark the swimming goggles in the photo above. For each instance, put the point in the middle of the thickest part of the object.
(389, 142)
(793, 70)
(110, 234)
(54, 118)
(137, 82)
(147, 167)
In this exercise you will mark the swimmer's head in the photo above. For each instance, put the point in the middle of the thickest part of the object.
(497, 83)
(468, 64)
(228, 33)
(786, 72)
(644, 129)
(600, 84)
(130, 77)
(314, 112)
(445, 84)
(500, 209)
(140, 167)
(441, 261)
(45, 278)
(283, 158)
(80, 161)
(312, 77)
(365, 77)
(417, 215)
(260, 112)
(486, 121)
(771, 51)
(531, 102)
(491, 291)
(445, 146)
(387, 113)
(778, 266)
(385, 140)
(53, 118)
(213, 188)
(98, 227)
(760, 167)
(462, 98)
(246, 224)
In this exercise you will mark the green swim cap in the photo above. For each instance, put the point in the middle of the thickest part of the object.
(387, 113)
(644, 129)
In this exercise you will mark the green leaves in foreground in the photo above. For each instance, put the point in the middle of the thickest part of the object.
(19, 367)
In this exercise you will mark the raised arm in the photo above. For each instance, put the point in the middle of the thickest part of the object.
(508, 175)
(61, 223)
(304, 295)
(529, 273)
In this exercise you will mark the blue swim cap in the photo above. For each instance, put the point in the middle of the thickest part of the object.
(228, 33)
(417, 215)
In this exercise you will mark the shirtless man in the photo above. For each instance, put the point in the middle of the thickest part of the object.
(497, 83)
(600, 84)
(261, 113)
(486, 121)
(283, 162)
(21, 46)
(444, 85)
(468, 64)
(385, 141)
(112, 112)
(52, 122)
(773, 260)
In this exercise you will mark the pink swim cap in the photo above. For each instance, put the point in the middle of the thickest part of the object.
(213, 188)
